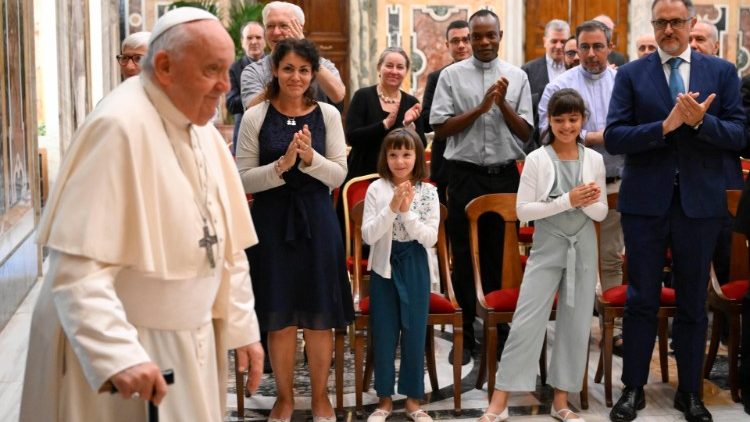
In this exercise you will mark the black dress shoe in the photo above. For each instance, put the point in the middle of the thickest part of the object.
(691, 406)
(631, 401)
(465, 357)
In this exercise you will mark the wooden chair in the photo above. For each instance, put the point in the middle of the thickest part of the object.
(726, 302)
(610, 304)
(444, 309)
(498, 306)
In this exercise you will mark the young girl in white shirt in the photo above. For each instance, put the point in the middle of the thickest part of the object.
(561, 190)
(400, 221)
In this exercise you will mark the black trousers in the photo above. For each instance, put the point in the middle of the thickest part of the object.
(692, 241)
(463, 186)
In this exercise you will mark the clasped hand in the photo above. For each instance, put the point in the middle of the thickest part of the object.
(403, 195)
(584, 195)
(495, 94)
(687, 111)
(300, 146)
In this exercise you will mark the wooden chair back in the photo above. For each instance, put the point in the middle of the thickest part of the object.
(504, 205)
(354, 191)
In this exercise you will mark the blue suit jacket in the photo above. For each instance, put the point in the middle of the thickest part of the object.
(640, 102)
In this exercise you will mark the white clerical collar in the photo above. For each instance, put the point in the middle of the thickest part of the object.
(664, 57)
(485, 65)
(164, 106)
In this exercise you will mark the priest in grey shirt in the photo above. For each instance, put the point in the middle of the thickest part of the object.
(482, 106)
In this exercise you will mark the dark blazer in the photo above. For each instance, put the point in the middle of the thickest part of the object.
(438, 170)
(234, 99)
(365, 131)
(538, 79)
(742, 222)
(640, 102)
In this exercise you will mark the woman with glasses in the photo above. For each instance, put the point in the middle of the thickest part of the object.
(134, 47)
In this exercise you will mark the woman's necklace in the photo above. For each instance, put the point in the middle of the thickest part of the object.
(386, 99)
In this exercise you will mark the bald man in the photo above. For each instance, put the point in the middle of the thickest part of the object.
(645, 45)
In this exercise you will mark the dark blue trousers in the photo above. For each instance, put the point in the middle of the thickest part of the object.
(692, 241)
(399, 305)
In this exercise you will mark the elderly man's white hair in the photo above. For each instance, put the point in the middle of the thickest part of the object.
(713, 31)
(282, 5)
(136, 40)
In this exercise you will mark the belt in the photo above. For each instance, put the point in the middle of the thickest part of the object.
(489, 170)
(612, 179)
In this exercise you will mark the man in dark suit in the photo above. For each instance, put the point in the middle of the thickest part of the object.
(254, 45)
(672, 113)
(546, 68)
(742, 224)
(459, 47)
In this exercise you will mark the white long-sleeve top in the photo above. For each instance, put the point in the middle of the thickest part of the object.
(380, 225)
(538, 176)
(329, 169)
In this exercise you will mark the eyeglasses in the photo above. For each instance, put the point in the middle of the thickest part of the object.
(674, 23)
(598, 47)
(123, 59)
(571, 53)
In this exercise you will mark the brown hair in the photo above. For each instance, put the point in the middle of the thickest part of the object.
(566, 100)
(303, 48)
(402, 138)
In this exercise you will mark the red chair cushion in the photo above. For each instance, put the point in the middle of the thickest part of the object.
(616, 295)
(438, 305)
(362, 264)
(503, 300)
(525, 234)
(364, 305)
(735, 290)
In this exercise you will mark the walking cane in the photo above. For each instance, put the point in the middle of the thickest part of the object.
(153, 411)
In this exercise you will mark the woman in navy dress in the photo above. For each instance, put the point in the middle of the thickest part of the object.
(291, 153)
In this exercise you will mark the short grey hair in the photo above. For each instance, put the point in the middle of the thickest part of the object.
(136, 40)
(174, 41)
(556, 25)
(714, 31)
(593, 26)
(688, 5)
(282, 5)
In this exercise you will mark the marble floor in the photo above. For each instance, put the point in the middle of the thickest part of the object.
(523, 406)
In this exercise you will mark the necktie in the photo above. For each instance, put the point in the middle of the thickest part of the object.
(676, 85)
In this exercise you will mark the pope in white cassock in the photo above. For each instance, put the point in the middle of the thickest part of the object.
(146, 229)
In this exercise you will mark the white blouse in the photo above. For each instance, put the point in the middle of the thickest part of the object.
(380, 225)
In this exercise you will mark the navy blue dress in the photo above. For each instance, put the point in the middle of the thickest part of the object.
(298, 267)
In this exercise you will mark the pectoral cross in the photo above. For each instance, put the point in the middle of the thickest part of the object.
(207, 242)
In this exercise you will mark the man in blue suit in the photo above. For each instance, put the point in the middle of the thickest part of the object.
(672, 113)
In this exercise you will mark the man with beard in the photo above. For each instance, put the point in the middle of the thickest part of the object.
(673, 114)
(571, 53)
(594, 80)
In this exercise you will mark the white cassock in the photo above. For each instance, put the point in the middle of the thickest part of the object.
(128, 282)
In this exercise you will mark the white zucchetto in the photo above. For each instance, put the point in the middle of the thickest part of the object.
(178, 16)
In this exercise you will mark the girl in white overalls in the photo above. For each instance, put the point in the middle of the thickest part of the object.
(561, 191)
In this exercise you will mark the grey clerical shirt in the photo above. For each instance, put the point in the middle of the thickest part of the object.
(488, 140)
(256, 76)
(596, 90)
